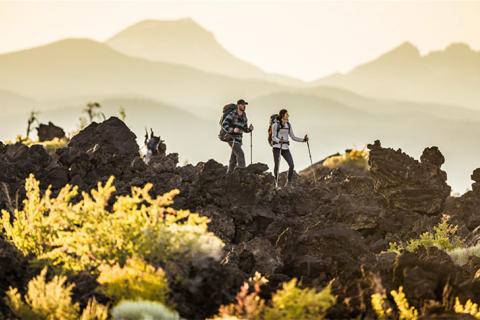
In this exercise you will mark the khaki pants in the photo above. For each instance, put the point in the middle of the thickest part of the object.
(237, 158)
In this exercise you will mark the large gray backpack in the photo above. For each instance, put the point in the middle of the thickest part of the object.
(229, 108)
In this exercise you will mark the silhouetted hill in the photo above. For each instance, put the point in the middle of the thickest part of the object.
(449, 76)
(185, 42)
(81, 67)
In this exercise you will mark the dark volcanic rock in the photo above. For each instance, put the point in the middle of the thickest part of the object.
(49, 131)
(19, 161)
(99, 151)
(406, 183)
(199, 289)
(335, 228)
(319, 254)
(111, 135)
(431, 275)
(13, 271)
(465, 210)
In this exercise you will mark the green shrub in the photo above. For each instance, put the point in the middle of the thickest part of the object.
(292, 302)
(143, 310)
(444, 237)
(136, 280)
(51, 301)
(86, 234)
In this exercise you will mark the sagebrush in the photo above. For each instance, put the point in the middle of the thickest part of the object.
(444, 237)
(82, 235)
(51, 300)
(290, 302)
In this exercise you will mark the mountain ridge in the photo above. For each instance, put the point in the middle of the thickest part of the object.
(184, 41)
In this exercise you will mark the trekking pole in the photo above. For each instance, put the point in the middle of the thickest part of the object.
(233, 145)
(251, 148)
(231, 154)
(279, 158)
(311, 162)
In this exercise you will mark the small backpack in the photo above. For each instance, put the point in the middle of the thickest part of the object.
(227, 109)
(273, 119)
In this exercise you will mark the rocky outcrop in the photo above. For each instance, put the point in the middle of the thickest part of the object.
(406, 183)
(99, 151)
(49, 131)
(334, 228)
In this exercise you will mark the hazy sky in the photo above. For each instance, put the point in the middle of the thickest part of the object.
(305, 39)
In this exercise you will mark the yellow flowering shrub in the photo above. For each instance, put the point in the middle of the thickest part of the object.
(378, 306)
(51, 301)
(469, 308)
(406, 312)
(83, 235)
(292, 302)
(136, 280)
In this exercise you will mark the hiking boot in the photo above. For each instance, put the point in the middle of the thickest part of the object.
(289, 184)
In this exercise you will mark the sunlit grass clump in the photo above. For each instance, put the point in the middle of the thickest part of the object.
(136, 280)
(51, 300)
(403, 309)
(468, 308)
(289, 302)
(351, 158)
(50, 145)
(444, 237)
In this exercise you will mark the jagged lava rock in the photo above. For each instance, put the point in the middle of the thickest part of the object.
(407, 183)
(49, 131)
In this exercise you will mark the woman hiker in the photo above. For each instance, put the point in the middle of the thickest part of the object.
(281, 131)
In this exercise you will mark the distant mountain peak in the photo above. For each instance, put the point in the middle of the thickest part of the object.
(459, 48)
(73, 42)
(153, 26)
(153, 23)
(186, 42)
(406, 49)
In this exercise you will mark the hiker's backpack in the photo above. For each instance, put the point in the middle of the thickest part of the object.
(273, 119)
(229, 108)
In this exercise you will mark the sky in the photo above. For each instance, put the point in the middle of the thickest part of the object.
(303, 39)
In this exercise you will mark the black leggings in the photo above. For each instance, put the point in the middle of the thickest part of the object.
(288, 157)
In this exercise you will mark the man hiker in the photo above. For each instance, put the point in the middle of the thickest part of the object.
(234, 124)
